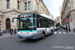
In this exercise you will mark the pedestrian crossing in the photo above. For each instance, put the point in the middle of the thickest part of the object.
(59, 32)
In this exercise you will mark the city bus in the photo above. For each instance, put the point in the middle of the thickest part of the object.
(57, 26)
(34, 26)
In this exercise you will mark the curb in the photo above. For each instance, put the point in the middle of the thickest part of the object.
(7, 36)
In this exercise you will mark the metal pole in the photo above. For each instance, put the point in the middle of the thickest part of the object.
(68, 24)
(69, 28)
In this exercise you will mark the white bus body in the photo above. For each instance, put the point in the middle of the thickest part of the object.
(39, 26)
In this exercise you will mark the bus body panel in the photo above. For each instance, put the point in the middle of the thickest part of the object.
(26, 34)
(29, 36)
(33, 33)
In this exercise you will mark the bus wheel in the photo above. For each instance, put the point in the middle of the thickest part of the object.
(43, 35)
(52, 32)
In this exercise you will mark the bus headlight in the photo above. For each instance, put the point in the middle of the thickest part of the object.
(18, 32)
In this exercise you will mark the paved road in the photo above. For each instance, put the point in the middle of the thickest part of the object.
(58, 41)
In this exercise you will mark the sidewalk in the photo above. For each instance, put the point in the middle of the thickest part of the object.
(6, 35)
(68, 31)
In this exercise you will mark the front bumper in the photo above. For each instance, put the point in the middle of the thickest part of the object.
(26, 37)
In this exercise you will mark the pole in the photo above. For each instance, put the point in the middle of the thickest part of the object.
(69, 27)
(68, 24)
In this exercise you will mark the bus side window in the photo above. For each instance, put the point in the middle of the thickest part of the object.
(33, 22)
(38, 22)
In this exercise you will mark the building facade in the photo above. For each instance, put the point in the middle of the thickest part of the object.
(12, 8)
(68, 12)
(51, 16)
(58, 19)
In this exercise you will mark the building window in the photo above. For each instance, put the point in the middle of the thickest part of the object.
(74, 4)
(18, 4)
(68, 4)
(37, 6)
(7, 24)
(25, 5)
(29, 5)
(8, 4)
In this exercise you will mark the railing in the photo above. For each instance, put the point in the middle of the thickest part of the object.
(5, 31)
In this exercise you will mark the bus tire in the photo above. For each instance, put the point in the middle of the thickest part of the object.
(43, 35)
(52, 32)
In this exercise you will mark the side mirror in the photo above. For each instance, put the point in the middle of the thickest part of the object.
(13, 20)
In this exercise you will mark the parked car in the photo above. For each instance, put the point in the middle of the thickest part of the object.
(56, 28)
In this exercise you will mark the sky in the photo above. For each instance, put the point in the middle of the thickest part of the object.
(53, 6)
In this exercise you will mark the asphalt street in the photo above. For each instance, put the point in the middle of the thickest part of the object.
(60, 40)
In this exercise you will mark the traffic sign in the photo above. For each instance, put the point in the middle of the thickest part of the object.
(0, 24)
(68, 20)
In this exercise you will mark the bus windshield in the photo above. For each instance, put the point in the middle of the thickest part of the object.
(27, 23)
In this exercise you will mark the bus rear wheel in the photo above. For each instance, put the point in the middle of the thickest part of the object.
(52, 32)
